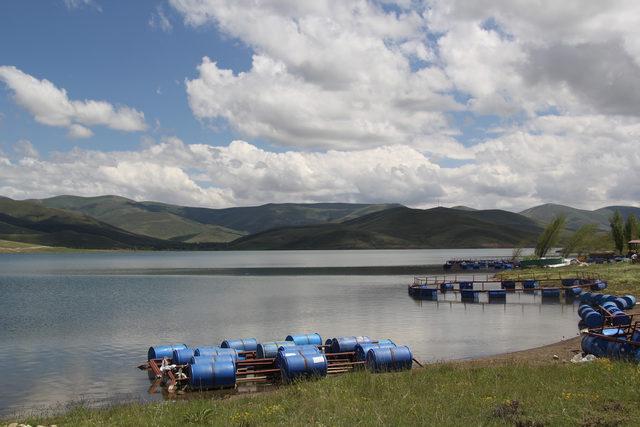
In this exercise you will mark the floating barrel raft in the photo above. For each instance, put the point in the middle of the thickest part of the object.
(470, 288)
(608, 331)
(245, 360)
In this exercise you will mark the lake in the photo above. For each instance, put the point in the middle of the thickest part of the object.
(75, 326)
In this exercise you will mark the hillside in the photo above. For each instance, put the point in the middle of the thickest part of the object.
(29, 222)
(403, 228)
(190, 224)
(543, 214)
(146, 218)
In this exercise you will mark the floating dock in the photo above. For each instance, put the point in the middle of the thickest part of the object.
(179, 367)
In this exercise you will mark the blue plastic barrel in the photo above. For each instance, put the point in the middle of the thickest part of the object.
(508, 284)
(574, 292)
(570, 282)
(182, 356)
(598, 285)
(423, 292)
(162, 351)
(631, 301)
(269, 350)
(469, 294)
(298, 364)
(620, 318)
(550, 293)
(210, 359)
(584, 308)
(596, 298)
(446, 287)
(529, 284)
(306, 348)
(465, 285)
(362, 349)
(217, 374)
(344, 344)
(497, 294)
(302, 339)
(586, 298)
(215, 351)
(241, 344)
(593, 319)
(384, 359)
(621, 303)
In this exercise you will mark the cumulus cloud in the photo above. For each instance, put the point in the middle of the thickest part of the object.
(325, 75)
(25, 148)
(519, 169)
(51, 106)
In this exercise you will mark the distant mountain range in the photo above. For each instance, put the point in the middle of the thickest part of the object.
(112, 222)
(576, 218)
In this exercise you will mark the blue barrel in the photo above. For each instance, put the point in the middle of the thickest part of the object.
(385, 359)
(613, 349)
(497, 294)
(210, 359)
(306, 348)
(596, 298)
(423, 292)
(621, 318)
(570, 282)
(635, 336)
(362, 349)
(550, 293)
(586, 298)
(610, 306)
(476, 266)
(344, 344)
(269, 350)
(598, 285)
(508, 284)
(303, 339)
(584, 308)
(241, 344)
(465, 285)
(216, 351)
(469, 294)
(593, 319)
(217, 374)
(621, 303)
(594, 345)
(182, 356)
(529, 284)
(574, 292)
(631, 301)
(162, 351)
(298, 364)
(445, 287)
(637, 355)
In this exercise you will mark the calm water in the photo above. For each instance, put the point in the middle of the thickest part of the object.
(78, 336)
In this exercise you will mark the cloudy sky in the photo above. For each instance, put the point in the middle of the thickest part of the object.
(220, 103)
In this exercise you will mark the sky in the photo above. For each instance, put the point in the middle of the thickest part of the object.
(491, 104)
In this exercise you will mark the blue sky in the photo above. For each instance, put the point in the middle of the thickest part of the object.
(487, 104)
(110, 54)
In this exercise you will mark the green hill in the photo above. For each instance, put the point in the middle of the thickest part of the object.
(31, 222)
(403, 228)
(146, 218)
(191, 224)
(543, 214)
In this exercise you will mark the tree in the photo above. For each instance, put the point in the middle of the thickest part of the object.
(550, 235)
(580, 240)
(631, 228)
(617, 231)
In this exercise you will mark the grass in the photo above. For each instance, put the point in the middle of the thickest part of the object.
(9, 247)
(622, 278)
(596, 394)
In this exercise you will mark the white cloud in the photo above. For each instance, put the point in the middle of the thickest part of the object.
(25, 148)
(79, 4)
(51, 106)
(326, 74)
(159, 20)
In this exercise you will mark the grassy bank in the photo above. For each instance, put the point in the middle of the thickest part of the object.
(600, 393)
(623, 278)
(9, 247)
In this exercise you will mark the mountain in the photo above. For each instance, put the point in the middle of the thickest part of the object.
(543, 214)
(403, 227)
(147, 218)
(31, 222)
(190, 224)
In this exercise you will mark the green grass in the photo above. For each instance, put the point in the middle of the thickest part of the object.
(622, 278)
(599, 393)
(9, 247)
